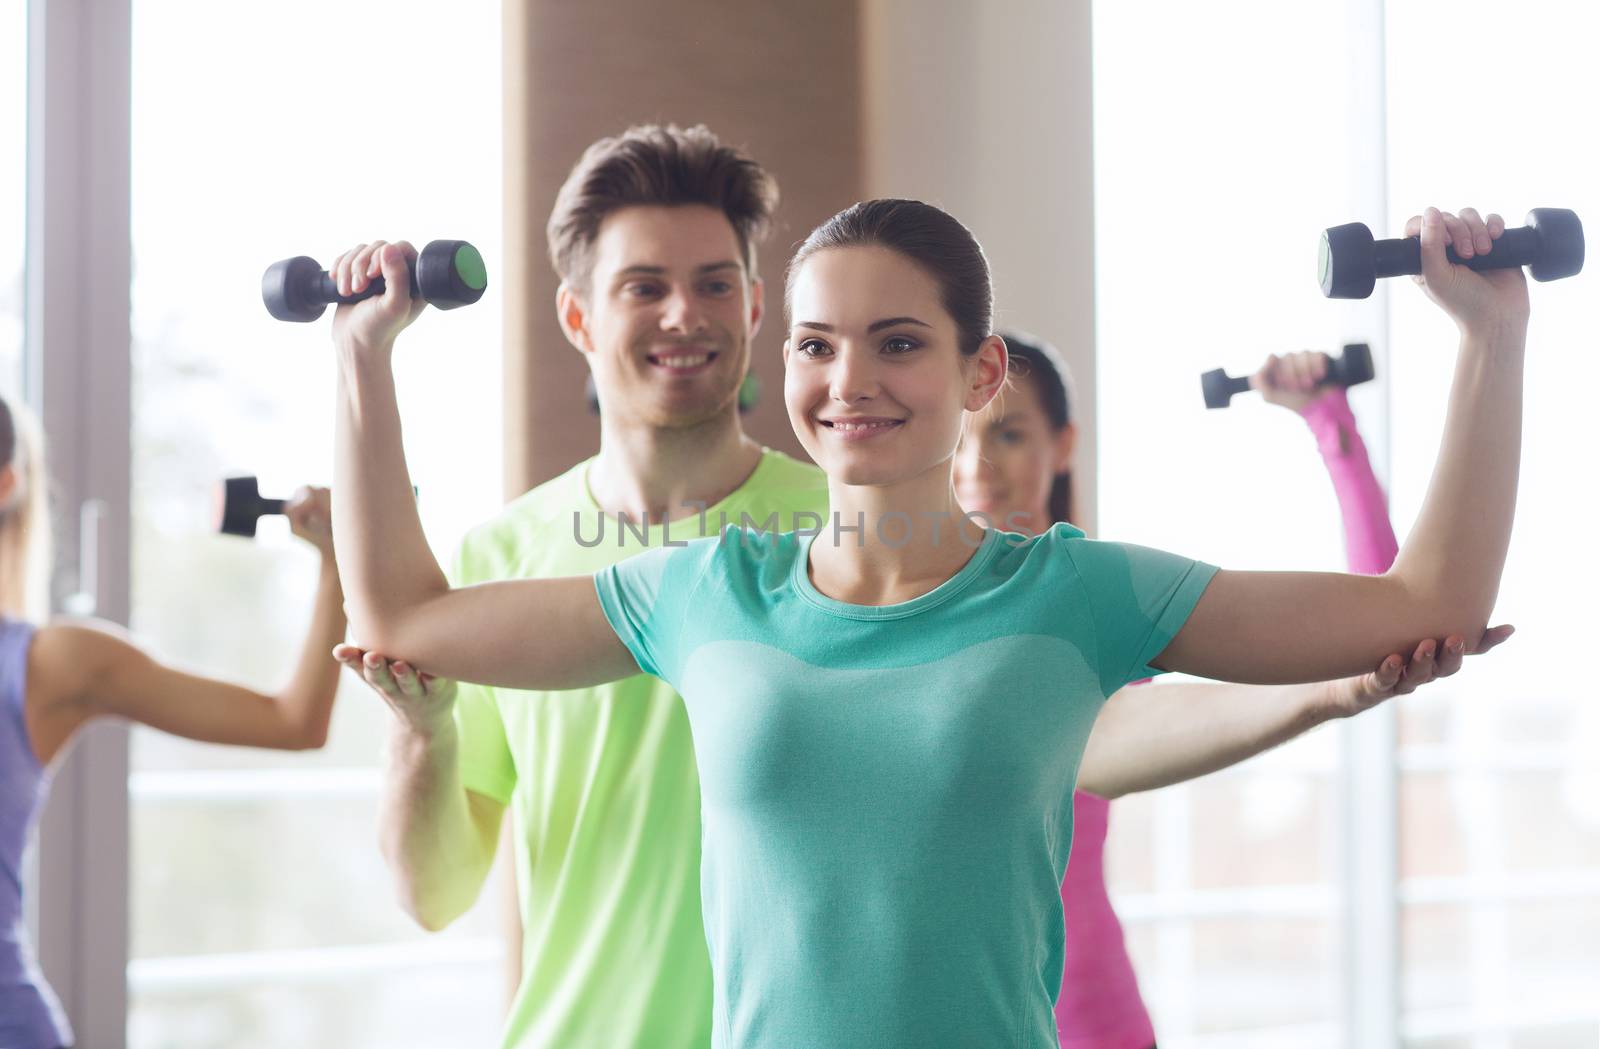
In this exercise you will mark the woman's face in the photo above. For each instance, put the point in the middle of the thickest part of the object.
(1010, 456)
(874, 382)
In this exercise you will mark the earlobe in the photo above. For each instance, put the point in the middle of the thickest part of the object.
(992, 365)
(8, 485)
(570, 313)
(758, 305)
(1066, 447)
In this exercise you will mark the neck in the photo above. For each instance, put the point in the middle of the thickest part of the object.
(658, 474)
(912, 538)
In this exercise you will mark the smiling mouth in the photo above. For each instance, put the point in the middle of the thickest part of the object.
(860, 427)
(682, 361)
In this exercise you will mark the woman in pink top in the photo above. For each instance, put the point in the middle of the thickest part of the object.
(1015, 465)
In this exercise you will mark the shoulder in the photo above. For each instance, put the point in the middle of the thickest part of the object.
(69, 657)
(785, 470)
(521, 522)
(782, 480)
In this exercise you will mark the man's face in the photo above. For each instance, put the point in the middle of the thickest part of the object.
(667, 316)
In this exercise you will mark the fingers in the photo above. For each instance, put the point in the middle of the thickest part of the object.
(1308, 367)
(1495, 635)
(364, 266)
(395, 261)
(1477, 230)
(348, 654)
(1459, 236)
(408, 680)
(1435, 237)
(1266, 377)
(1451, 655)
(340, 270)
(1419, 670)
(355, 269)
(1414, 226)
(1383, 681)
(1497, 226)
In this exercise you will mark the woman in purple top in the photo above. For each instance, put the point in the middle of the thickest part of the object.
(57, 677)
(1015, 465)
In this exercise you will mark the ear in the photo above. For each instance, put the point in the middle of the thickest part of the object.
(1066, 448)
(758, 304)
(573, 314)
(989, 367)
(9, 480)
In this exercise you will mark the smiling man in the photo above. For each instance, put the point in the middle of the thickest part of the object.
(654, 237)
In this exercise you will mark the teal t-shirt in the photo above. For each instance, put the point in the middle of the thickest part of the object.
(886, 792)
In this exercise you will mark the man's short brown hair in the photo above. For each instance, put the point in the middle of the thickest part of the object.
(652, 165)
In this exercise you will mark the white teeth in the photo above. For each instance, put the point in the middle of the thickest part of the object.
(691, 361)
(847, 427)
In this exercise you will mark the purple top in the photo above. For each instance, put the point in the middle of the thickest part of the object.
(30, 1016)
(1099, 1006)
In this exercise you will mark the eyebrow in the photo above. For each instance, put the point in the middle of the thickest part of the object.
(642, 270)
(889, 322)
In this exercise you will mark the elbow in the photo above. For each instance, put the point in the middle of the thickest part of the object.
(387, 629)
(312, 737)
(429, 916)
(428, 921)
(1446, 608)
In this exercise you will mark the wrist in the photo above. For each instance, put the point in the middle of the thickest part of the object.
(424, 738)
(1327, 701)
(1498, 334)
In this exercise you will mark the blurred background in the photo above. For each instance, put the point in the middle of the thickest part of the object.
(1148, 180)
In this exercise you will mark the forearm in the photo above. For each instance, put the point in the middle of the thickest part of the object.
(1370, 544)
(428, 836)
(307, 701)
(1452, 559)
(385, 563)
(1158, 735)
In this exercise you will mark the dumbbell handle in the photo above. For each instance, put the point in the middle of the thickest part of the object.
(1352, 366)
(325, 289)
(1402, 256)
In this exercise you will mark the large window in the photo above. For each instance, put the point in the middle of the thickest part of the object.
(1218, 160)
(261, 912)
(1500, 798)
(1206, 219)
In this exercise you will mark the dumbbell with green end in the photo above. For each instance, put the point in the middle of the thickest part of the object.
(1352, 367)
(447, 274)
(749, 394)
(1350, 261)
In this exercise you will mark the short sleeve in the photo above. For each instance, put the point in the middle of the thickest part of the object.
(483, 753)
(1139, 598)
(647, 600)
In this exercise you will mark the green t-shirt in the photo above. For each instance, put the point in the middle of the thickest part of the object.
(887, 790)
(601, 782)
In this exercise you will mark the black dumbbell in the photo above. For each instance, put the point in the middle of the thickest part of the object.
(448, 273)
(749, 394)
(241, 505)
(1349, 261)
(1352, 367)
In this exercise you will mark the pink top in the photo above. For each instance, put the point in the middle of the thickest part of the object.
(1099, 1006)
